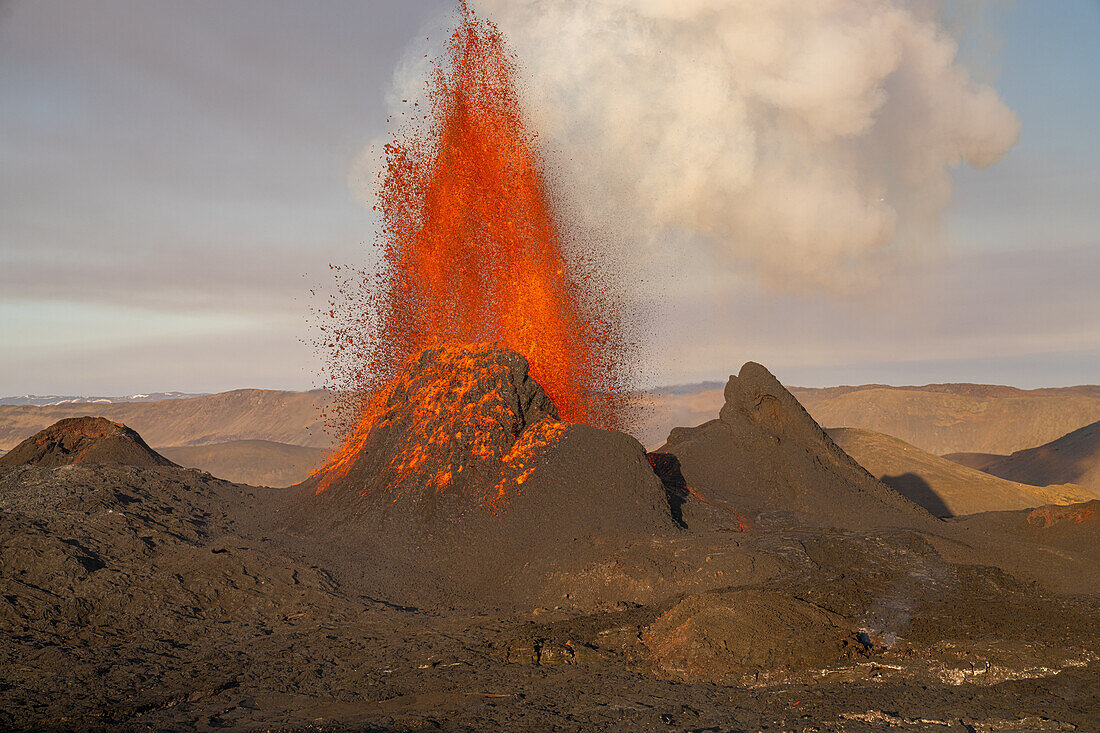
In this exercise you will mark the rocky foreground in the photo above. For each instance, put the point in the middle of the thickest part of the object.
(749, 576)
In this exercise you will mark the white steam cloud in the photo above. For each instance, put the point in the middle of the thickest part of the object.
(807, 141)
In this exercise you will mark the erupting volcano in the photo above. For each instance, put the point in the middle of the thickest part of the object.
(474, 251)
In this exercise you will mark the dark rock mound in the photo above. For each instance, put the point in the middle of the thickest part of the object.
(84, 440)
(455, 424)
(766, 456)
(462, 480)
(740, 636)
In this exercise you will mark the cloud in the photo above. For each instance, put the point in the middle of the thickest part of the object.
(809, 144)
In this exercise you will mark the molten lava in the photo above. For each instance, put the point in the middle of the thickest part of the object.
(473, 251)
(458, 420)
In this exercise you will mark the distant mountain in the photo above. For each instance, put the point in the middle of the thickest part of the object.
(938, 418)
(39, 400)
(1073, 458)
(687, 388)
(957, 418)
(942, 487)
(255, 462)
(242, 414)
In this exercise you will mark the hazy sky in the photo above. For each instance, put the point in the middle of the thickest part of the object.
(174, 179)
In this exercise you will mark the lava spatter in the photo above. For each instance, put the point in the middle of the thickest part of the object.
(473, 250)
(458, 421)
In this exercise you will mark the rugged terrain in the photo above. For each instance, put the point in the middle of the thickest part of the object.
(750, 576)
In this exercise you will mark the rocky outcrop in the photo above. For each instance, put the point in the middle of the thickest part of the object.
(736, 636)
(766, 456)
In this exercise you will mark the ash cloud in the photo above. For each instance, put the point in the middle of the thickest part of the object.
(809, 144)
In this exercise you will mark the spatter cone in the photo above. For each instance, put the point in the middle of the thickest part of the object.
(460, 482)
(461, 422)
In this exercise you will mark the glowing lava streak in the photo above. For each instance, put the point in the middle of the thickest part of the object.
(472, 248)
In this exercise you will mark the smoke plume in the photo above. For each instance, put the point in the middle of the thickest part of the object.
(808, 143)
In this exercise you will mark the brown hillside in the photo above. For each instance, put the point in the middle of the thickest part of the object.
(941, 486)
(254, 462)
(243, 414)
(1073, 458)
(954, 418)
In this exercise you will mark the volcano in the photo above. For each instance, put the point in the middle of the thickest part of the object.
(464, 476)
(451, 425)
(473, 248)
(84, 440)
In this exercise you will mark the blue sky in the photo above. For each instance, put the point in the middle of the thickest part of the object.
(174, 181)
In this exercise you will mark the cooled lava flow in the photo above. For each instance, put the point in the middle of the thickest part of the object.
(473, 251)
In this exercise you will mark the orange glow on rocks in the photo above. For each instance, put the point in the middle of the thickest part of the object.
(1048, 516)
(461, 420)
(473, 251)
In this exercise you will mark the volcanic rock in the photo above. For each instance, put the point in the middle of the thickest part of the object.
(766, 456)
(461, 475)
(164, 598)
(443, 428)
(734, 636)
(84, 440)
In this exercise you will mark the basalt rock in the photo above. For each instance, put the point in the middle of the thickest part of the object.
(738, 635)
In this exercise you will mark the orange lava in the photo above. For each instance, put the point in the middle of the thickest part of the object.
(449, 423)
(473, 251)
(1048, 516)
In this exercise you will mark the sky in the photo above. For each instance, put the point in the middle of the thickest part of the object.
(176, 177)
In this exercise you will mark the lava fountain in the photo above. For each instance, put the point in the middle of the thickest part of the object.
(473, 250)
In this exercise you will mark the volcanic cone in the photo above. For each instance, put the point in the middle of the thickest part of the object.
(84, 440)
(460, 471)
